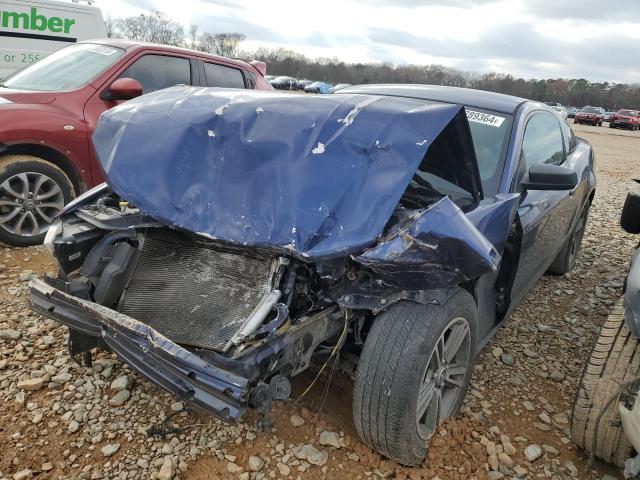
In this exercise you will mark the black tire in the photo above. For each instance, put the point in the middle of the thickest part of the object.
(566, 259)
(33, 168)
(396, 356)
(613, 361)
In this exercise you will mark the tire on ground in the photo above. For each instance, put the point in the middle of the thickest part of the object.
(613, 361)
(388, 379)
(11, 165)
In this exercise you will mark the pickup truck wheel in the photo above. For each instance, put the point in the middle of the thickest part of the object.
(566, 259)
(32, 192)
(613, 360)
(413, 373)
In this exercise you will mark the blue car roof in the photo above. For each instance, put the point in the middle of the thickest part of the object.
(463, 96)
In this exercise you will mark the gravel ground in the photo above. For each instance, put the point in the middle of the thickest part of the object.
(61, 420)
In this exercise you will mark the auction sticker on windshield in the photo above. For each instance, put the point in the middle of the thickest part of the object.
(484, 118)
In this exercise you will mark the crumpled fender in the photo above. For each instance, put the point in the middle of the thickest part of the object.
(493, 217)
(441, 246)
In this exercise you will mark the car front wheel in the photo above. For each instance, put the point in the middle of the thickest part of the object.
(32, 192)
(413, 373)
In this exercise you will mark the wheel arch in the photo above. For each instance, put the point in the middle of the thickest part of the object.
(48, 154)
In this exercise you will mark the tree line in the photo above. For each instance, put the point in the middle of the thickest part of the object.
(156, 27)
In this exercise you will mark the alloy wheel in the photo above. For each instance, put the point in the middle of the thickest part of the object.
(28, 203)
(444, 376)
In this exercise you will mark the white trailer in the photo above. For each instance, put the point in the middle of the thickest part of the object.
(31, 29)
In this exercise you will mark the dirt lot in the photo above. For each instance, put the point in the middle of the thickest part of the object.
(74, 422)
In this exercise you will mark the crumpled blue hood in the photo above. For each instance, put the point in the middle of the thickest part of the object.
(319, 176)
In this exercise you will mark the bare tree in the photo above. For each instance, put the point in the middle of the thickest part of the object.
(110, 26)
(223, 44)
(151, 27)
(193, 37)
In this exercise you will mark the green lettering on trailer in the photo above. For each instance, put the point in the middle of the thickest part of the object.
(16, 17)
(35, 21)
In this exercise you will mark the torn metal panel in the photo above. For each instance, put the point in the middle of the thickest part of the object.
(436, 248)
(317, 176)
(493, 217)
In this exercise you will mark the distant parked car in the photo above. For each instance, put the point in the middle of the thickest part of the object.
(302, 84)
(339, 86)
(318, 87)
(268, 78)
(625, 119)
(48, 112)
(608, 115)
(590, 116)
(571, 112)
(562, 111)
(284, 83)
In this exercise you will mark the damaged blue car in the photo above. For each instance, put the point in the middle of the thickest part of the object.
(242, 233)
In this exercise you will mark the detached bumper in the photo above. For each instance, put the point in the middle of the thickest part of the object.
(182, 373)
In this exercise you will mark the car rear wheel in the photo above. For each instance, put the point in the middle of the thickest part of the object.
(413, 373)
(614, 360)
(32, 192)
(566, 259)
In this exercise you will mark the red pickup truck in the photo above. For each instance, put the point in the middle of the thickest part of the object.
(49, 110)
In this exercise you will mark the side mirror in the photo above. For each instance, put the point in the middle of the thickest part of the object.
(544, 176)
(630, 218)
(123, 89)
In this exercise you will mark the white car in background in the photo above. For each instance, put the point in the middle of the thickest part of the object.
(558, 107)
(32, 29)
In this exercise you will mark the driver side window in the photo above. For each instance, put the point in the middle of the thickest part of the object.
(542, 141)
(155, 72)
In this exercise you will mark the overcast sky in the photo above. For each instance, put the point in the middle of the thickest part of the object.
(594, 39)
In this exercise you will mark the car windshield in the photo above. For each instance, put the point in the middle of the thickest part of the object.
(66, 69)
(590, 110)
(629, 113)
(489, 132)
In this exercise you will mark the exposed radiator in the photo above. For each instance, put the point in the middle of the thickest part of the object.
(192, 294)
